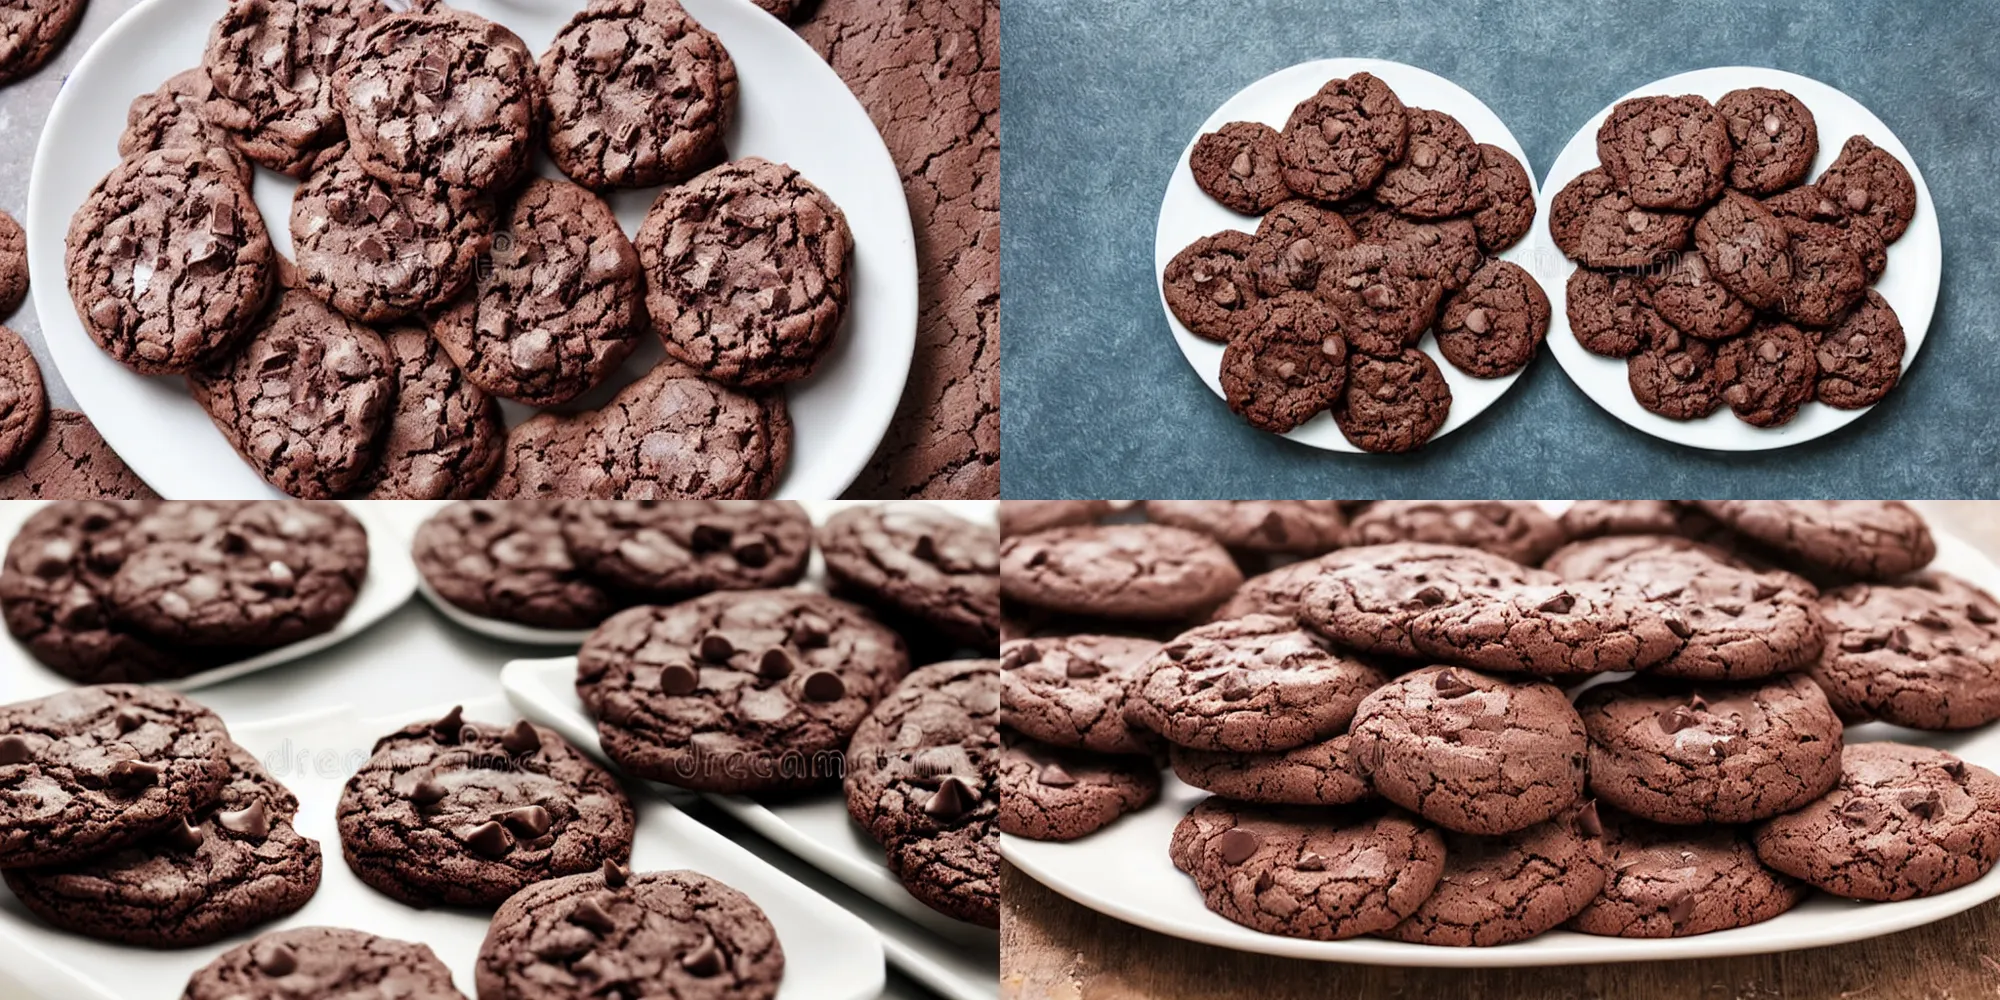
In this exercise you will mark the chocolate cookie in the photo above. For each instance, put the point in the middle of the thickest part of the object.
(1860, 358)
(923, 779)
(1025, 517)
(1438, 176)
(1588, 519)
(666, 551)
(450, 813)
(507, 561)
(170, 118)
(445, 435)
(437, 96)
(1923, 652)
(1392, 404)
(1254, 685)
(24, 406)
(1903, 822)
(1071, 691)
(1142, 572)
(1672, 753)
(305, 400)
(33, 32)
(100, 768)
(1872, 186)
(1211, 285)
(1747, 248)
(229, 867)
(1472, 753)
(1568, 629)
(1595, 222)
(1767, 375)
(747, 272)
(1293, 243)
(1338, 142)
(1669, 152)
(635, 93)
(326, 961)
(1280, 591)
(1828, 276)
(1365, 598)
(13, 265)
(1308, 873)
(1316, 774)
(1237, 165)
(1687, 295)
(1809, 203)
(1518, 530)
(1300, 527)
(736, 691)
(1286, 364)
(168, 260)
(1611, 314)
(1654, 535)
(1498, 891)
(1051, 794)
(559, 306)
(1774, 135)
(1675, 377)
(378, 252)
(1493, 325)
(1676, 881)
(620, 933)
(1445, 250)
(1382, 301)
(1865, 539)
(1510, 199)
(273, 64)
(919, 563)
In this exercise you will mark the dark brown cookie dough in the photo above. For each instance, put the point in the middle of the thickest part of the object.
(1382, 298)
(32, 32)
(1052, 794)
(1498, 891)
(1308, 873)
(1768, 374)
(445, 435)
(24, 406)
(1301, 527)
(170, 118)
(272, 64)
(1071, 691)
(1872, 186)
(305, 400)
(1338, 142)
(1438, 176)
(1669, 152)
(1446, 250)
(1519, 530)
(1903, 822)
(1676, 881)
(1594, 221)
(1569, 629)
(921, 564)
(666, 551)
(1861, 358)
(507, 561)
(557, 307)
(1864, 539)
(1211, 285)
(1253, 685)
(1774, 136)
(331, 960)
(1611, 314)
(635, 93)
(1366, 597)
(1675, 377)
(1472, 753)
(1810, 204)
(1747, 249)
(1286, 364)
(1510, 199)
(1923, 652)
(13, 265)
(1687, 295)
(1238, 166)
(1316, 774)
(1293, 243)
(1828, 276)
(1392, 404)
(1493, 325)
(168, 260)
(1143, 572)
(378, 252)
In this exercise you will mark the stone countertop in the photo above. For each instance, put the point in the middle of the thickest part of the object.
(1102, 96)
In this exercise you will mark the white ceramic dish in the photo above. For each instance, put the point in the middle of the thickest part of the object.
(1123, 871)
(1909, 284)
(390, 581)
(816, 829)
(791, 108)
(1187, 214)
(830, 954)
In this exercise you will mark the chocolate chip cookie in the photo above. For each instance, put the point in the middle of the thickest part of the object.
(1860, 358)
(1611, 314)
(747, 271)
(1438, 176)
(330, 961)
(1677, 881)
(1444, 250)
(1071, 691)
(1340, 141)
(13, 265)
(168, 260)
(1308, 873)
(1498, 891)
(273, 64)
(1365, 598)
(1052, 794)
(1493, 325)
(1590, 519)
(1025, 517)
(1828, 276)
(1211, 286)
(305, 400)
(1293, 243)
(1287, 364)
(1872, 186)
(1279, 591)
(507, 561)
(1687, 295)
(1253, 685)
(1809, 203)
(1324, 773)
(1774, 135)
(1767, 375)
(1922, 652)
(667, 551)
(636, 93)
(1238, 166)
(1141, 572)
(560, 306)
(31, 33)
(919, 563)
(1865, 539)
(1552, 630)
(24, 405)
(1394, 403)
(1595, 221)
(1510, 199)
(1301, 527)
(1748, 249)
(100, 768)
(620, 933)
(71, 461)
(445, 435)
(170, 118)
(1381, 299)
(1669, 152)
(378, 252)
(1675, 377)
(1518, 530)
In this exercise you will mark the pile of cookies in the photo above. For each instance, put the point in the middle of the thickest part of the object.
(151, 590)
(435, 276)
(1719, 275)
(1390, 752)
(1378, 225)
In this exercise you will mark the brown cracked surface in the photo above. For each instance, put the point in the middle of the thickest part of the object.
(1611, 314)
(31, 31)
(507, 561)
(1670, 152)
(1301, 527)
(1238, 166)
(445, 437)
(668, 550)
(1053, 794)
(1675, 376)
(170, 118)
(1670, 881)
(272, 64)
(1381, 296)
(1071, 691)
(1872, 185)
(1392, 404)
(1865, 539)
(1254, 685)
(1493, 325)
(1596, 223)
(328, 961)
(1516, 530)
(1438, 176)
(1293, 241)
(1924, 652)
(1143, 572)
(1510, 200)
(377, 252)
(1211, 285)
(24, 404)
(1317, 774)
(1340, 141)
(1566, 629)
(921, 564)
(1767, 375)
(1497, 891)
(1366, 597)
(1287, 365)
(1686, 294)
(13, 265)
(1861, 358)
(1774, 136)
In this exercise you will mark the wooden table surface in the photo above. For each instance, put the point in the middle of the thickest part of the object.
(1053, 949)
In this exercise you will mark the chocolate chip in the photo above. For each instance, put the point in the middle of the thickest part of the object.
(1676, 624)
(528, 822)
(1932, 620)
(1979, 614)
(1680, 907)
(1178, 651)
(1857, 199)
(15, 750)
(1450, 685)
(589, 915)
(705, 960)
(1588, 822)
(1476, 321)
(1764, 590)
(1370, 757)
(753, 553)
(447, 728)
(1860, 812)
(1236, 685)
(709, 538)
(925, 548)
(427, 791)
(1264, 881)
(810, 633)
(1083, 666)
(1241, 165)
(489, 838)
(276, 960)
(185, 835)
(1272, 526)
(679, 679)
(1921, 802)
(522, 739)
(1697, 703)
(1430, 596)
(615, 874)
(1310, 862)
(1773, 124)
(1236, 845)
(823, 685)
(136, 772)
(775, 664)
(254, 821)
(952, 799)
(1677, 718)
(128, 719)
(716, 648)
(1560, 604)
(1954, 767)
(1054, 776)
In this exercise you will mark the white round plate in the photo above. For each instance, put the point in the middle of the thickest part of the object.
(1910, 284)
(791, 108)
(1123, 871)
(1187, 214)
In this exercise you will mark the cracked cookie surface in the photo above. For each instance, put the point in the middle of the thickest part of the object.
(1253, 685)
(1497, 891)
(1677, 881)
(32, 32)
(272, 65)
(1596, 223)
(1050, 794)
(1238, 165)
(1669, 152)
(1861, 358)
(1922, 652)
(336, 961)
(1438, 176)
(507, 561)
(675, 549)
(1146, 572)
(1287, 364)
(445, 435)
(1392, 404)
(71, 461)
(1316, 774)
(919, 563)
(1520, 531)
(1302, 527)
(1865, 539)
(1366, 597)
(1567, 629)
(378, 252)
(1211, 285)
(24, 403)
(1071, 691)
(170, 118)
(1774, 136)
(1338, 142)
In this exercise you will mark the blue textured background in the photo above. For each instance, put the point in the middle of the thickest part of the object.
(1101, 96)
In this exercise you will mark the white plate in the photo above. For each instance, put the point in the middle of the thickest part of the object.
(816, 828)
(390, 581)
(1123, 871)
(830, 954)
(1187, 214)
(791, 108)
(1910, 284)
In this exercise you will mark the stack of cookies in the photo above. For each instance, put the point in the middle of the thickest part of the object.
(152, 590)
(1718, 274)
(1378, 223)
(1391, 754)
(435, 276)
